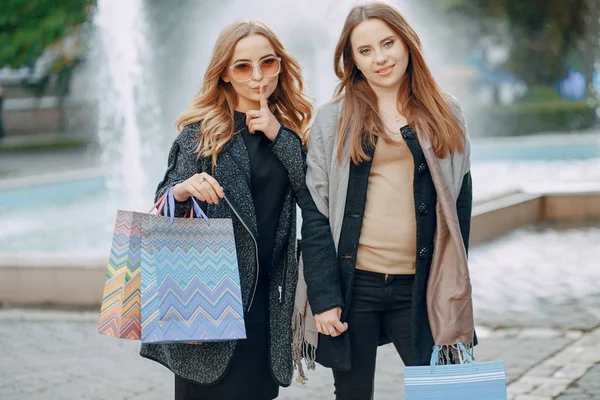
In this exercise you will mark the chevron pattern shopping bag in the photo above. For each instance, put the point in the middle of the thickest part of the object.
(120, 312)
(473, 381)
(190, 284)
(120, 309)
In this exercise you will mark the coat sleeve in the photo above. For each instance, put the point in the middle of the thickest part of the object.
(182, 164)
(464, 206)
(321, 269)
(287, 147)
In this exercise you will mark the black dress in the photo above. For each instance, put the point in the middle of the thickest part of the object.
(249, 375)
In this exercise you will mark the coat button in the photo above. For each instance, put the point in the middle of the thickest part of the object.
(422, 169)
(423, 253)
(423, 209)
(408, 133)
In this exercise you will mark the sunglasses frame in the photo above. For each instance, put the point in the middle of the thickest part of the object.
(254, 66)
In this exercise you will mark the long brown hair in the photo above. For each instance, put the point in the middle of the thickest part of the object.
(423, 103)
(214, 103)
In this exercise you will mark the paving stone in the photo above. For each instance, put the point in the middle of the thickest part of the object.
(572, 371)
(579, 396)
(529, 397)
(521, 387)
(550, 389)
(544, 371)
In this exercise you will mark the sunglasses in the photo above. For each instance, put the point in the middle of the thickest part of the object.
(244, 71)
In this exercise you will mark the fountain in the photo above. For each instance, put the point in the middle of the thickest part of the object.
(146, 62)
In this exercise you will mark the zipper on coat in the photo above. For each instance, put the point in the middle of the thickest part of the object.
(280, 287)
(256, 253)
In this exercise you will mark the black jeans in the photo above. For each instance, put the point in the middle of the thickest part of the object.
(378, 302)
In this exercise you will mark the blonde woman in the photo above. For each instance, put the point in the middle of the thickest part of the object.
(386, 219)
(242, 137)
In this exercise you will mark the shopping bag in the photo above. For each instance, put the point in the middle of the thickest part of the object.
(120, 310)
(190, 284)
(473, 380)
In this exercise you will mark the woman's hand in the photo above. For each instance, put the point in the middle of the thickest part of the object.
(201, 186)
(263, 120)
(328, 322)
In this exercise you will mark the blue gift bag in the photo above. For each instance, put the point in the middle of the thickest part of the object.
(472, 381)
(190, 282)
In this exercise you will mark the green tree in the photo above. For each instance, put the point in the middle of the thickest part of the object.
(28, 28)
(541, 34)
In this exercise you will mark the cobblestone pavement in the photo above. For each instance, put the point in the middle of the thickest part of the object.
(586, 388)
(539, 276)
(48, 355)
(536, 304)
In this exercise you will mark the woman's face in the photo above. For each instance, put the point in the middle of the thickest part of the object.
(379, 53)
(254, 63)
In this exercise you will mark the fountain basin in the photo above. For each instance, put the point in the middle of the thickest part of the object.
(56, 230)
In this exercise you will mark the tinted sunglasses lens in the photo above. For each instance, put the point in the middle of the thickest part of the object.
(242, 71)
(270, 67)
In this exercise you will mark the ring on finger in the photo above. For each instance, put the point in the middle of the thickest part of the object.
(258, 113)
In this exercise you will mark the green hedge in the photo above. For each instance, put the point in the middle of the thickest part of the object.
(532, 117)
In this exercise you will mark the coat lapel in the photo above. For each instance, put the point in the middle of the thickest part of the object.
(236, 148)
(233, 173)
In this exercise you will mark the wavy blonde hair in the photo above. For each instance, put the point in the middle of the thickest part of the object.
(213, 106)
(423, 103)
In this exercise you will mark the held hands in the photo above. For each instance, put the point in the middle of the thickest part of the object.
(263, 120)
(201, 186)
(328, 322)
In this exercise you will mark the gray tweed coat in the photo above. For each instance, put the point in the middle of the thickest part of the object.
(207, 363)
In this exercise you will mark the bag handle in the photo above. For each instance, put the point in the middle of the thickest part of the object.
(169, 207)
(159, 204)
(461, 347)
(166, 203)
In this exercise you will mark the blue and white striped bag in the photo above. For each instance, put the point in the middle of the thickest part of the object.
(473, 381)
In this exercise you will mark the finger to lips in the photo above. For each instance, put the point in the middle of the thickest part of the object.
(264, 104)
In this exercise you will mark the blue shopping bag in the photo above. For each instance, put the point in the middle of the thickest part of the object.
(190, 283)
(472, 381)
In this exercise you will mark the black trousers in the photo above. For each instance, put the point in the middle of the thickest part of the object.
(378, 302)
